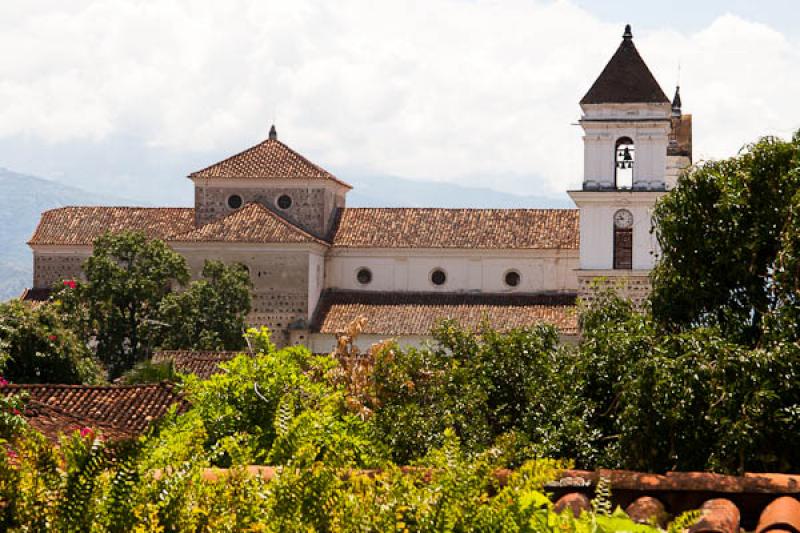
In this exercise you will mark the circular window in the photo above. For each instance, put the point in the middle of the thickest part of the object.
(438, 277)
(364, 276)
(284, 201)
(234, 201)
(512, 278)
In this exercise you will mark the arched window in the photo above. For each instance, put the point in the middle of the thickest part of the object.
(624, 159)
(623, 240)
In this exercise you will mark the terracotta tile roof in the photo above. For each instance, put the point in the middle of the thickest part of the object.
(415, 313)
(457, 228)
(52, 422)
(251, 223)
(755, 501)
(625, 79)
(128, 409)
(203, 364)
(82, 225)
(268, 159)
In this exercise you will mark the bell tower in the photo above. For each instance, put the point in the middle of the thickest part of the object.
(628, 125)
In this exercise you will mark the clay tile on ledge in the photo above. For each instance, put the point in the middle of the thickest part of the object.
(647, 510)
(575, 502)
(783, 514)
(719, 515)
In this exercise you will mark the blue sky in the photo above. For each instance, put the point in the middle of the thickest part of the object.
(127, 97)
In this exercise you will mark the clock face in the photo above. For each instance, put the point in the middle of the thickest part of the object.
(623, 219)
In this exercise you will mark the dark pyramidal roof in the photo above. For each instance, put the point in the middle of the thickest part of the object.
(626, 79)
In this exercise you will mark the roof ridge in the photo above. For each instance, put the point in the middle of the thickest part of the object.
(249, 206)
(322, 173)
(167, 385)
(253, 147)
(284, 221)
(465, 209)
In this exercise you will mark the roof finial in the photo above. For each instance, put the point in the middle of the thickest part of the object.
(628, 35)
(273, 133)
(676, 102)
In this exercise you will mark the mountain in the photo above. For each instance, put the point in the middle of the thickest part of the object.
(22, 200)
(391, 191)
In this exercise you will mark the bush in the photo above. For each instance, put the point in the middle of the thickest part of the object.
(36, 346)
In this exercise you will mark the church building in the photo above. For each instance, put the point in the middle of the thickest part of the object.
(316, 264)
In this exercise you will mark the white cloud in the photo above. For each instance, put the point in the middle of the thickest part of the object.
(431, 89)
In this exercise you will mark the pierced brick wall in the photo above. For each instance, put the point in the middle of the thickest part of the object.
(635, 287)
(49, 269)
(311, 208)
(280, 286)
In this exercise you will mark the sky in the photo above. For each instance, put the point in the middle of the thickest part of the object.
(127, 97)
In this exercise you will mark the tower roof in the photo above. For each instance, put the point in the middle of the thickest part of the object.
(626, 79)
(268, 159)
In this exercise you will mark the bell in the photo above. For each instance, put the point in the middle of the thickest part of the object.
(626, 154)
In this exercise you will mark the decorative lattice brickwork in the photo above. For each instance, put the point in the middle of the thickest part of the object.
(50, 269)
(311, 208)
(636, 287)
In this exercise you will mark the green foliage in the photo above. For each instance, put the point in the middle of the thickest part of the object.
(127, 276)
(509, 390)
(690, 400)
(126, 308)
(277, 402)
(722, 231)
(150, 372)
(37, 346)
(210, 313)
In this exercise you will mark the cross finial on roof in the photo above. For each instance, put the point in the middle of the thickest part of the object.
(628, 35)
(676, 101)
(273, 133)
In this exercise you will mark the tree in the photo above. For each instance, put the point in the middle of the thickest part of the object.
(210, 314)
(117, 306)
(721, 232)
(36, 346)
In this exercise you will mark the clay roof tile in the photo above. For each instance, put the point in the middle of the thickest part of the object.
(252, 223)
(415, 313)
(82, 225)
(269, 159)
(457, 228)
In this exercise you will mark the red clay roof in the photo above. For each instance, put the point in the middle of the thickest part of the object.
(755, 501)
(129, 409)
(457, 228)
(415, 313)
(252, 223)
(268, 159)
(52, 422)
(203, 364)
(625, 79)
(82, 225)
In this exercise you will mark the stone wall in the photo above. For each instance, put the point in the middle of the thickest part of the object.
(280, 285)
(52, 268)
(636, 286)
(312, 209)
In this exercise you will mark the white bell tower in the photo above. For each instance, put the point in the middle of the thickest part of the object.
(628, 125)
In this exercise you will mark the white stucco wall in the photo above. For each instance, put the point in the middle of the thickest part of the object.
(467, 270)
(648, 125)
(597, 227)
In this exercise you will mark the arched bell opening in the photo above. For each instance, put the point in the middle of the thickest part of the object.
(624, 159)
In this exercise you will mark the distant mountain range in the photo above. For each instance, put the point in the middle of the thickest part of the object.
(22, 200)
(24, 197)
(390, 191)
